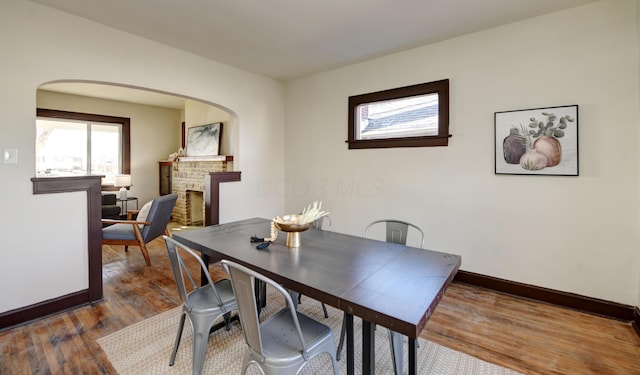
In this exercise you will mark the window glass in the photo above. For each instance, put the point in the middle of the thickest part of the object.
(404, 117)
(71, 148)
(61, 148)
(105, 151)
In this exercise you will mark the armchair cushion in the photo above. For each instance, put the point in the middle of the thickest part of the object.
(144, 212)
(119, 232)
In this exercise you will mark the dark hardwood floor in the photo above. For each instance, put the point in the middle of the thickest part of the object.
(523, 335)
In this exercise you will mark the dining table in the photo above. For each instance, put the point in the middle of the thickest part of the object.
(385, 284)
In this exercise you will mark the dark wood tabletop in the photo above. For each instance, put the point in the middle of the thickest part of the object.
(391, 285)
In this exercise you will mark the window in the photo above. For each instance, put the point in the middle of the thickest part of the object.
(411, 116)
(72, 144)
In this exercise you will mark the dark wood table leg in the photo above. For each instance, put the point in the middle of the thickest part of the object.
(368, 348)
(203, 276)
(226, 323)
(350, 344)
(260, 290)
(413, 356)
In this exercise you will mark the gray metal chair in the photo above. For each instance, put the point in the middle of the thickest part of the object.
(284, 342)
(396, 231)
(320, 223)
(128, 232)
(204, 305)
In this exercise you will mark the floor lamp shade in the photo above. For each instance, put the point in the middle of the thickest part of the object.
(124, 181)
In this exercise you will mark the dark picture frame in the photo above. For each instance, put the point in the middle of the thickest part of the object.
(204, 140)
(537, 141)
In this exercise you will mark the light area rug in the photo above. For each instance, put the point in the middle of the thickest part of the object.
(145, 348)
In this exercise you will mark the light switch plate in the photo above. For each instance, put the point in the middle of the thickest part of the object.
(10, 156)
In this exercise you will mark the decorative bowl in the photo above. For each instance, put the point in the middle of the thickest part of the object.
(292, 225)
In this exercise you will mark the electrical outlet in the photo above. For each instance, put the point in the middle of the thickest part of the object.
(10, 156)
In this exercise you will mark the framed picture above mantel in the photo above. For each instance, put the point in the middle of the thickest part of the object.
(204, 140)
(538, 141)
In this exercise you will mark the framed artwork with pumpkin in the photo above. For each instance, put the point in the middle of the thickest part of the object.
(538, 141)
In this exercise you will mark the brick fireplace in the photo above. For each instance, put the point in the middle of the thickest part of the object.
(189, 182)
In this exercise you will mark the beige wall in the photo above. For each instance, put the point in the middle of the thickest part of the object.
(637, 13)
(44, 236)
(198, 113)
(575, 234)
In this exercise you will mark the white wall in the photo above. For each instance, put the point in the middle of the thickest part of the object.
(575, 234)
(155, 133)
(44, 235)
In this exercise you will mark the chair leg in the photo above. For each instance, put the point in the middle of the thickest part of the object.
(334, 361)
(227, 321)
(199, 350)
(141, 244)
(395, 344)
(343, 332)
(324, 308)
(126, 248)
(178, 337)
(145, 253)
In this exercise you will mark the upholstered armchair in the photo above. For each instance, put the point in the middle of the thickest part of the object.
(141, 231)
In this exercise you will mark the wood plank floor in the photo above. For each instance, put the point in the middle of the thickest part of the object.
(526, 336)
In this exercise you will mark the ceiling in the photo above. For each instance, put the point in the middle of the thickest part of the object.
(288, 39)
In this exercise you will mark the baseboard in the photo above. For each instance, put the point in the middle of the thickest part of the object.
(589, 305)
(26, 314)
(636, 320)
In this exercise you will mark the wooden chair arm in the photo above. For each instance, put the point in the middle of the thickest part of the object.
(116, 221)
(131, 213)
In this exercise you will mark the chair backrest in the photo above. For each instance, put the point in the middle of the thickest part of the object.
(159, 216)
(176, 252)
(320, 223)
(396, 231)
(243, 280)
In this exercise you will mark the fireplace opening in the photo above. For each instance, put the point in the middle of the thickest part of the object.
(195, 205)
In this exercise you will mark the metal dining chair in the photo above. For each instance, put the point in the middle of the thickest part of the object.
(320, 223)
(204, 305)
(286, 341)
(396, 231)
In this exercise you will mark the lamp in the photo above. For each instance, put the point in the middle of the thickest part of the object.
(124, 181)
